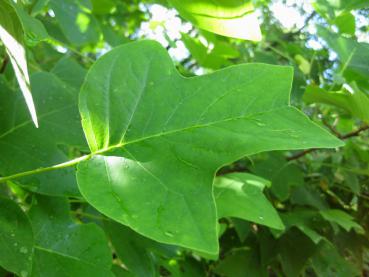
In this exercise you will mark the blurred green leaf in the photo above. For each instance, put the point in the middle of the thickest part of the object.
(350, 98)
(232, 18)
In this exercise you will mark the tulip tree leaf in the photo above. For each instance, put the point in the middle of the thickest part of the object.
(241, 195)
(167, 135)
(16, 238)
(65, 248)
(11, 34)
(342, 219)
(231, 18)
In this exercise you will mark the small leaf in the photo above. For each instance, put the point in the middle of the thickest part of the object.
(157, 124)
(241, 195)
(64, 248)
(349, 98)
(231, 18)
(341, 218)
(138, 253)
(346, 23)
(16, 238)
(284, 176)
(302, 219)
(76, 22)
(11, 34)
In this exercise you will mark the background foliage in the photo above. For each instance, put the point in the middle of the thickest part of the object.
(279, 213)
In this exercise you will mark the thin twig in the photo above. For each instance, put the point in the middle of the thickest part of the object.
(340, 136)
(355, 133)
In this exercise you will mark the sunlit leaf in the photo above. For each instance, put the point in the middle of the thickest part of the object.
(350, 98)
(156, 124)
(11, 34)
(231, 18)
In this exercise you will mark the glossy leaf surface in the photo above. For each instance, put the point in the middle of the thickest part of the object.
(64, 248)
(156, 125)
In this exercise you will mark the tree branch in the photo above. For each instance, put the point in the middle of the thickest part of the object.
(340, 136)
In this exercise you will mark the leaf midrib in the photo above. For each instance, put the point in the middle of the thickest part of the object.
(184, 129)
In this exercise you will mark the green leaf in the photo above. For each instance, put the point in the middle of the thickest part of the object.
(241, 195)
(231, 18)
(350, 98)
(11, 34)
(241, 263)
(328, 262)
(65, 248)
(214, 58)
(76, 21)
(303, 220)
(333, 7)
(102, 6)
(284, 176)
(295, 249)
(341, 218)
(137, 253)
(354, 56)
(157, 126)
(23, 147)
(346, 23)
(33, 28)
(16, 239)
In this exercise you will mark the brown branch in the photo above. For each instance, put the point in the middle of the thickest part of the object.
(5, 63)
(340, 136)
(300, 154)
(355, 133)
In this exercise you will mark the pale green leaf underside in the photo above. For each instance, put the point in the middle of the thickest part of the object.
(170, 134)
(231, 18)
(241, 195)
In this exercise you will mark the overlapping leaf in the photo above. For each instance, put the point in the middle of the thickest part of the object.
(351, 99)
(354, 56)
(23, 147)
(64, 248)
(241, 195)
(232, 18)
(166, 136)
(16, 239)
(76, 22)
